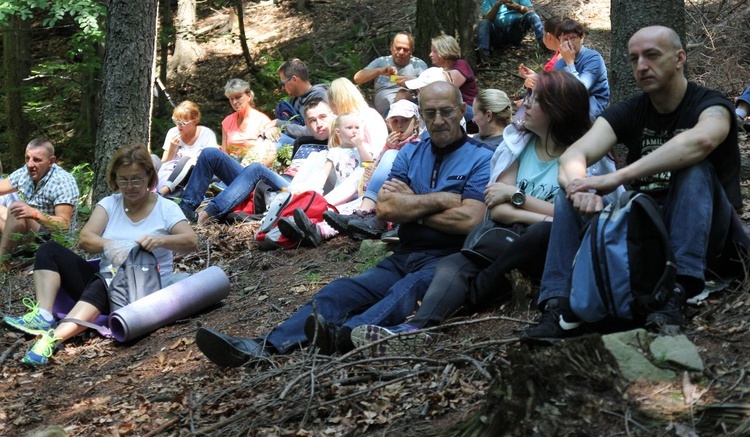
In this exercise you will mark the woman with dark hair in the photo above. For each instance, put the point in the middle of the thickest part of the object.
(133, 215)
(520, 198)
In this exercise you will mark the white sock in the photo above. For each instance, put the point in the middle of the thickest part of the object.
(46, 315)
(741, 113)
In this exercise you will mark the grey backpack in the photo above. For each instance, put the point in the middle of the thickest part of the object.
(136, 278)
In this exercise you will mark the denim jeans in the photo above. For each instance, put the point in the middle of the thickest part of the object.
(212, 161)
(744, 97)
(697, 215)
(380, 175)
(489, 32)
(383, 295)
(241, 187)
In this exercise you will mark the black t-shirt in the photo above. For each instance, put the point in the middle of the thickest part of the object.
(642, 129)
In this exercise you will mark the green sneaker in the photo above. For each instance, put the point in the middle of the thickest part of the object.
(32, 322)
(42, 349)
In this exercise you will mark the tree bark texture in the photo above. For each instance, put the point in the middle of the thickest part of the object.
(16, 65)
(127, 82)
(627, 17)
(524, 399)
(453, 17)
(186, 50)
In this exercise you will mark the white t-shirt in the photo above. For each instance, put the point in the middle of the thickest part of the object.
(206, 138)
(165, 215)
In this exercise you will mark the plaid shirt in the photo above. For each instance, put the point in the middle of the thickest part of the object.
(56, 187)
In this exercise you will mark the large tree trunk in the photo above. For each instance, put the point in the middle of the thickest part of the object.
(127, 82)
(627, 17)
(453, 17)
(16, 66)
(186, 50)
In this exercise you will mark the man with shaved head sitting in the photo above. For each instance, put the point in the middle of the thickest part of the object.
(682, 150)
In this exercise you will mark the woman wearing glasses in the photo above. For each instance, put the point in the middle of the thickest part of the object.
(133, 215)
(184, 142)
(446, 53)
(242, 131)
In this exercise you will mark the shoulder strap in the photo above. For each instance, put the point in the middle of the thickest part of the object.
(103, 330)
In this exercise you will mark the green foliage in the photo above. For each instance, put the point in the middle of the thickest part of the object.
(283, 157)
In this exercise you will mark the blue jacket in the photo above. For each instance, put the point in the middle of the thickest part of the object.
(590, 69)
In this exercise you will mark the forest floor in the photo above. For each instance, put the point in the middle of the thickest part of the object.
(162, 385)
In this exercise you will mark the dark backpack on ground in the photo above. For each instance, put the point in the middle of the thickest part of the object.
(625, 266)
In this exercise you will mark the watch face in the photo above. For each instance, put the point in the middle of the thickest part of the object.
(518, 198)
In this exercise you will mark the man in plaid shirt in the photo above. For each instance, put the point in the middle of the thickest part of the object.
(48, 199)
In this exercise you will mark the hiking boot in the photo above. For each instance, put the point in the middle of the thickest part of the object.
(672, 313)
(321, 334)
(290, 230)
(311, 234)
(746, 124)
(557, 322)
(370, 225)
(227, 351)
(403, 340)
(391, 237)
(340, 222)
(189, 212)
(32, 322)
(42, 349)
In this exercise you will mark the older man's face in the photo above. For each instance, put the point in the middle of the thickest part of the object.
(654, 60)
(401, 50)
(442, 113)
(38, 162)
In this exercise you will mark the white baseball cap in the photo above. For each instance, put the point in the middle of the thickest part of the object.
(432, 74)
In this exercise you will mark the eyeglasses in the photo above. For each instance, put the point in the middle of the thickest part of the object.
(571, 38)
(135, 182)
(430, 114)
(284, 82)
(180, 122)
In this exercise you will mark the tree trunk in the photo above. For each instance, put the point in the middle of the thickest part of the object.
(16, 66)
(186, 50)
(243, 40)
(453, 17)
(166, 32)
(127, 82)
(524, 399)
(88, 112)
(627, 17)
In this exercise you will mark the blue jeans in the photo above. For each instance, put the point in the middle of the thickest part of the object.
(380, 175)
(211, 161)
(241, 187)
(697, 215)
(383, 295)
(489, 32)
(284, 139)
(744, 97)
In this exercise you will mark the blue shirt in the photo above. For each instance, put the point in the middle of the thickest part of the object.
(590, 69)
(505, 17)
(462, 167)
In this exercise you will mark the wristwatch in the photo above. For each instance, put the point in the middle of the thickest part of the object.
(518, 198)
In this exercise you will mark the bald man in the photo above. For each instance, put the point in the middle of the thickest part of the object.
(682, 150)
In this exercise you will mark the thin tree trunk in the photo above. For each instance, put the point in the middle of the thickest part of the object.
(243, 40)
(128, 76)
(16, 66)
(165, 36)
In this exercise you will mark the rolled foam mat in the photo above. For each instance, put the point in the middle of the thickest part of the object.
(169, 304)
